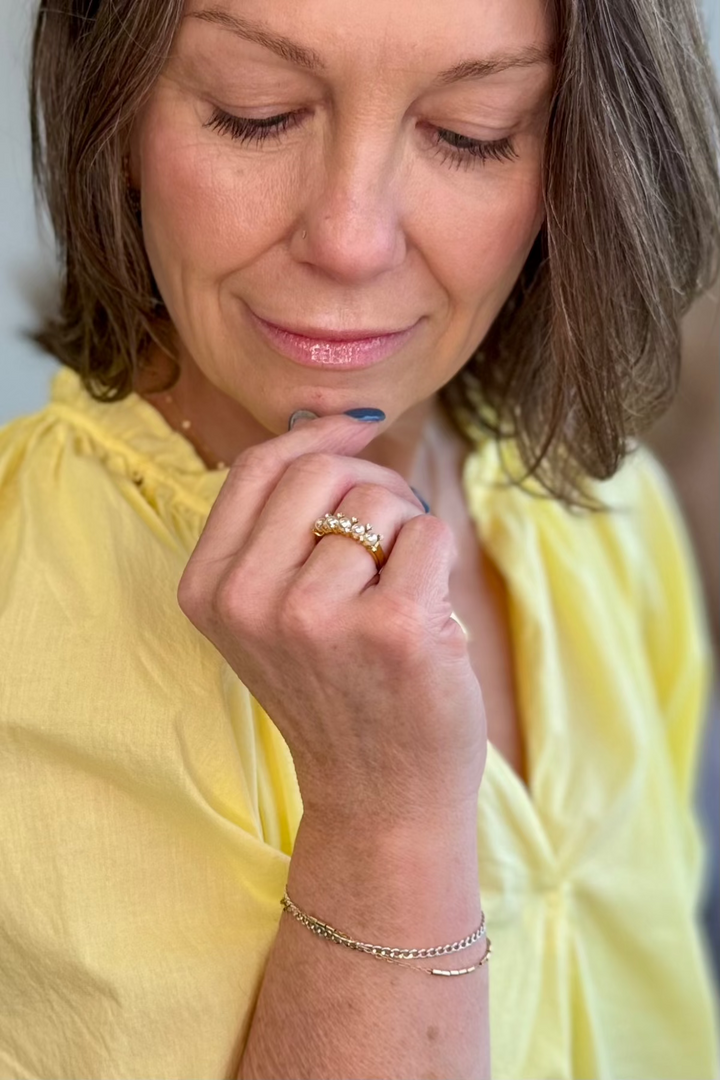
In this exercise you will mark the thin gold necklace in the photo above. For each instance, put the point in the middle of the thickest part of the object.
(189, 431)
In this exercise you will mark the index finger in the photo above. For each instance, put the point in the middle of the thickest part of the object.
(255, 473)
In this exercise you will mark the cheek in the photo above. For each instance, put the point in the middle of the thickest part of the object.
(482, 237)
(206, 212)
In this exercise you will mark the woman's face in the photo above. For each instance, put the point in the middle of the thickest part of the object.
(400, 190)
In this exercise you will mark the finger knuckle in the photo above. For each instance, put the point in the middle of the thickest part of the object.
(390, 478)
(371, 494)
(436, 532)
(231, 604)
(315, 463)
(400, 629)
(298, 614)
(253, 463)
(190, 595)
(384, 480)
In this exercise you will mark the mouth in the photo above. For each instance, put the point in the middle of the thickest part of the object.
(333, 349)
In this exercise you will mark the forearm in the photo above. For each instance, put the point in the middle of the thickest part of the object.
(328, 1011)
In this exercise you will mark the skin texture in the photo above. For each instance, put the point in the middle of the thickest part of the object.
(386, 218)
(358, 217)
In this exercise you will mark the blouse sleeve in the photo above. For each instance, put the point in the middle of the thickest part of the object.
(675, 624)
(147, 804)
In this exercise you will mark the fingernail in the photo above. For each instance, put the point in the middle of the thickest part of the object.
(301, 415)
(419, 496)
(366, 414)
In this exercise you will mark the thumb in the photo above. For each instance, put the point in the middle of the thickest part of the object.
(335, 433)
(301, 416)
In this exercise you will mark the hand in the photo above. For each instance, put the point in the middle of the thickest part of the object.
(366, 675)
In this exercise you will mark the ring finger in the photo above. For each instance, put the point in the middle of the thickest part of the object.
(311, 486)
(343, 561)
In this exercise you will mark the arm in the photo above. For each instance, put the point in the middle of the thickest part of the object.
(368, 679)
(329, 1011)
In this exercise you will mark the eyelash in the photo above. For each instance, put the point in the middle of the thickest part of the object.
(456, 149)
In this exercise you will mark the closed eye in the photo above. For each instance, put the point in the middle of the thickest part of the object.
(253, 131)
(457, 149)
(463, 151)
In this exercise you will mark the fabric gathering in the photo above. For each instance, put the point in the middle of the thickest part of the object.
(138, 949)
(359, 533)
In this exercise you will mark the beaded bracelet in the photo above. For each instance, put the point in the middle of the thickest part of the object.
(393, 956)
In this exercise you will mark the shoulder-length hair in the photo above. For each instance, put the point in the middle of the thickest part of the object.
(583, 356)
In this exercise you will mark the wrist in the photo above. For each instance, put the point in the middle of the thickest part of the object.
(403, 885)
(385, 837)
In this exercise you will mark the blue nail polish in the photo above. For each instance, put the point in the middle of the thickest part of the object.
(366, 414)
(419, 496)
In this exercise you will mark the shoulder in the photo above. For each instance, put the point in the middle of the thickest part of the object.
(644, 532)
(626, 573)
(631, 541)
(84, 526)
(640, 546)
(650, 570)
(90, 560)
(53, 481)
(46, 454)
(83, 465)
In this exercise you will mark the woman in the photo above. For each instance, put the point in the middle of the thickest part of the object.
(474, 229)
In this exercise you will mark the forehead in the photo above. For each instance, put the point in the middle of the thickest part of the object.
(425, 35)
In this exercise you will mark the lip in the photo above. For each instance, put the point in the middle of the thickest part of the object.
(332, 349)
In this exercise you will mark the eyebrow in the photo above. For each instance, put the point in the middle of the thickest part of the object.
(308, 58)
(282, 46)
(491, 65)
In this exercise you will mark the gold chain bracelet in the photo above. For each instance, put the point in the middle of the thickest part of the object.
(393, 956)
(447, 971)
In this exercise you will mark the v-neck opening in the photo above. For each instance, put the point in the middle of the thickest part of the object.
(481, 471)
(506, 764)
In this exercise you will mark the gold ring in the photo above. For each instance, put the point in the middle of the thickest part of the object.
(339, 524)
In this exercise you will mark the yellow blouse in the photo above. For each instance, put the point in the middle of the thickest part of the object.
(148, 805)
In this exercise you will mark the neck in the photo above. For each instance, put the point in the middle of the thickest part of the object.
(417, 445)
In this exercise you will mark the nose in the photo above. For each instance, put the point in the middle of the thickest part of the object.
(351, 228)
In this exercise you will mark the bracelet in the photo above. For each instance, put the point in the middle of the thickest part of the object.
(448, 971)
(393, 956)
(325, 930)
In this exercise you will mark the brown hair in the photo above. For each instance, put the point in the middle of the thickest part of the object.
(585, 353)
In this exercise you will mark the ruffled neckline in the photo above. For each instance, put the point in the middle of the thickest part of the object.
(132, 423)
(133, 437)
(136, 430)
